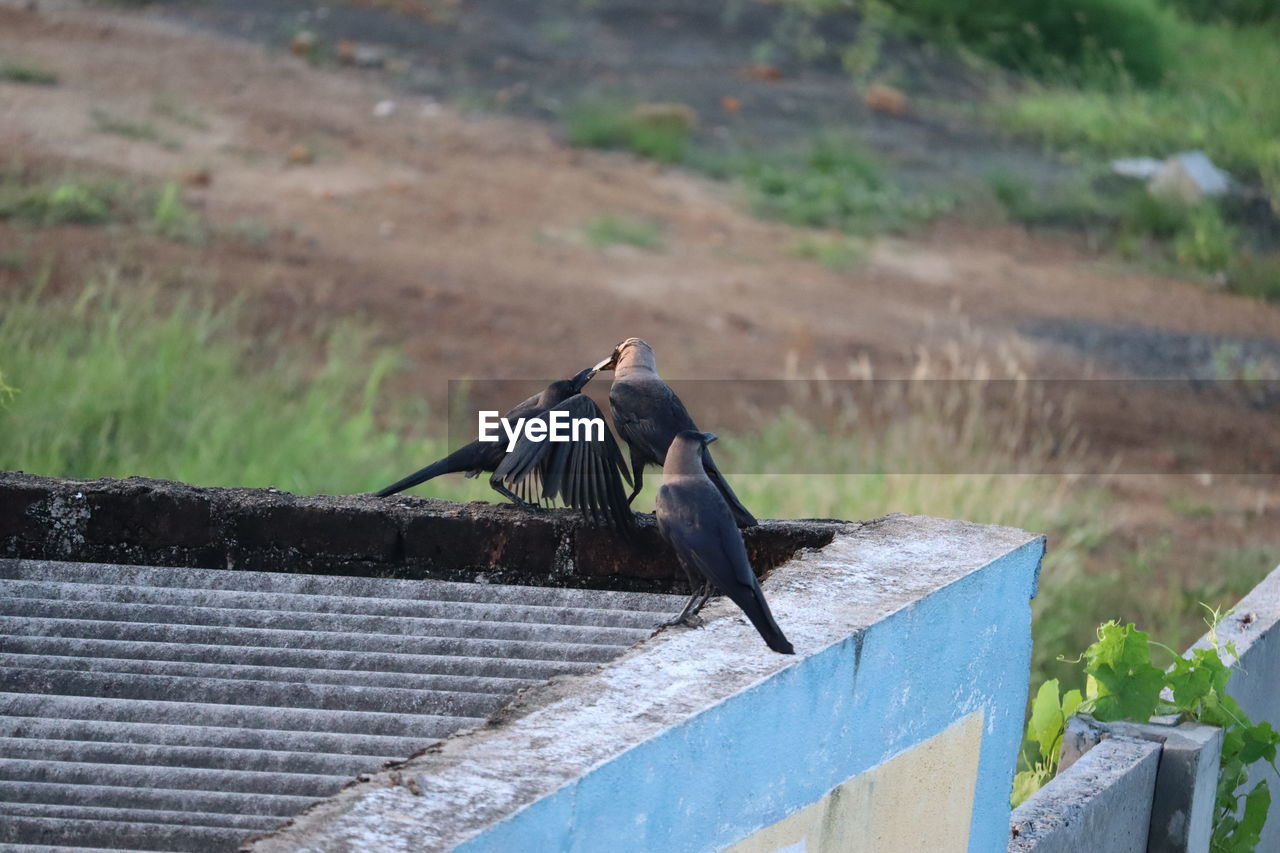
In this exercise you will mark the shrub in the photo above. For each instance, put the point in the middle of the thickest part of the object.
(1238, 12)
(1079, 39)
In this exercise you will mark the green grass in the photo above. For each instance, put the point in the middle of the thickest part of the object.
(58, 202)
(1221, 98)
(30, 75)
(131, 128)
(171, 218)
(618, 126)
(1127, 583)
(123, 379)
(49, 202)
(1255, 275)
(834, 253)
(1129, 219)
(610, 230)
(830, 182)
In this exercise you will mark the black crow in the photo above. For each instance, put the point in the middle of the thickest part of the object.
(648, 415)
(586, 473)
(696, 521)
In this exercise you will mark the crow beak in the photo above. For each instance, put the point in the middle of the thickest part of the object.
(581, 378)
(708, 437)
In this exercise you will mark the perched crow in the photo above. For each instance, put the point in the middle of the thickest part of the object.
(648, 416)
(586, 474)
(696, 521)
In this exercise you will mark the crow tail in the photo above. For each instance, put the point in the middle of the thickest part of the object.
(741, 515)
(757, 609)
(465, 458)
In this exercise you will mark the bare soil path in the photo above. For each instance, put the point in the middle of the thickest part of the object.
(461, 238)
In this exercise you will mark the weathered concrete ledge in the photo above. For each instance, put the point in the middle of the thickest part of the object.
(1182, 803)
(1102, 803)
(896, 724)
(160, 523)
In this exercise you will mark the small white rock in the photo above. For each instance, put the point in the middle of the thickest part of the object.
(383, 109)
(1190, 176)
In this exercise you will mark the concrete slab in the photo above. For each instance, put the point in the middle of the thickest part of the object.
(698, 739)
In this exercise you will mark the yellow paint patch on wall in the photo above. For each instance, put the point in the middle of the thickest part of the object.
(919, 800)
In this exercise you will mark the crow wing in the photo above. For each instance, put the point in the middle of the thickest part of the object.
(648, 416)
(699, 526)
(585, 474)
(695, 519)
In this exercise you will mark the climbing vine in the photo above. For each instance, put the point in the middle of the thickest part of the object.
(1122, 683)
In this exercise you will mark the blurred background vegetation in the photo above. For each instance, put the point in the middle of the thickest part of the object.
(124, 366)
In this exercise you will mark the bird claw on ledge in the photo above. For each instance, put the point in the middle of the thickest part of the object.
(690, 621)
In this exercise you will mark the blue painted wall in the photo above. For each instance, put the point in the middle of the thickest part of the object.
(767, 752)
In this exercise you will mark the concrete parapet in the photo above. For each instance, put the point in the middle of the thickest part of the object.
(896, 723)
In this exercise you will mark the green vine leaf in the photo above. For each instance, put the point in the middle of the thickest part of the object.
(1123, 684)
(1259, 743)
(1046, 723)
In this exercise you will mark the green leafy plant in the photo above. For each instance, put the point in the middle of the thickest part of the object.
(1238, 12)
(1045, 727)
(1123, 684)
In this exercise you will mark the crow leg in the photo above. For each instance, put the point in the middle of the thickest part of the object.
(637, 473)
(703, 596)
(501, 488)
(689, 615)
(686, 617)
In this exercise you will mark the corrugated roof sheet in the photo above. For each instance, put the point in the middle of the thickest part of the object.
(151, 708)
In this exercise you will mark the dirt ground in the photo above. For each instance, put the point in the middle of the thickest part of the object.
(461, 238)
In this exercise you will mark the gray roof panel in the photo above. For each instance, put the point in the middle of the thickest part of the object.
(152, 708)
